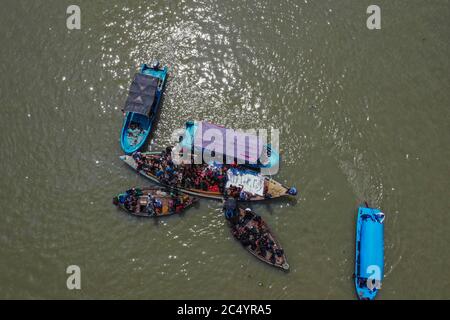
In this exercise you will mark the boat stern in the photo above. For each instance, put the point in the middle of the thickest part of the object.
(364, 293)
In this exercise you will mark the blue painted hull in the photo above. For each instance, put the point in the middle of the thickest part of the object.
(133, 141)
(369, 257)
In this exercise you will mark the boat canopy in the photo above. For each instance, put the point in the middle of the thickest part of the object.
(247, 146)
(142, 94)
(372, 248)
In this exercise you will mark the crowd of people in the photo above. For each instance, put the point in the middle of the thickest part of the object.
(252, 232)
(211, 178)
(153, 206)
(135, 132)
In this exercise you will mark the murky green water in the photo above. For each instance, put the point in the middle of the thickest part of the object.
(363, 115)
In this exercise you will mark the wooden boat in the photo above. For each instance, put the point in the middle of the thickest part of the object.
(152, 202)
(248, 220)
(142, 106)
(369, 256)
(266, 188)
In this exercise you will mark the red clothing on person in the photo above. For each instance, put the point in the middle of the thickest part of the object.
(213, 188)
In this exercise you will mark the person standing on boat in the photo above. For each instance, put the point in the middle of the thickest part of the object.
(150, 208)
(137, 156)
(243, 195)
(157, 204)
(231, 209)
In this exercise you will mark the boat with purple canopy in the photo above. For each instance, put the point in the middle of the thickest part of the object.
(236, 146)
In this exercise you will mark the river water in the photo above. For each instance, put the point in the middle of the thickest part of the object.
(363, 115)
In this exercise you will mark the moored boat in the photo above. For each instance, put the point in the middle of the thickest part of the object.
(152, 202)
(255, 236)
(208, 181)
(369, 257)
(241, 147)
(142, 106)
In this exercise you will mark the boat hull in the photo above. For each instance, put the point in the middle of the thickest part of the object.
(165, 198)
(369, 253)
(280, 261)
(133, 143)
(276, 189)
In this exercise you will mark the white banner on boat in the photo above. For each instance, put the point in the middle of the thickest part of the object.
(249, 182)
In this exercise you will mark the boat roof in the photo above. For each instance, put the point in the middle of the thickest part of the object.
(142, 94)
(247, 146)
(371, 249)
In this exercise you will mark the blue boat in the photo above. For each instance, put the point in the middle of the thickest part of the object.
(142, 106)
(369, 259)
(247, 149)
